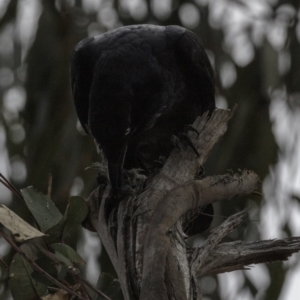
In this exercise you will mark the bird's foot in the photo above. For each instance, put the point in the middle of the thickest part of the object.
(189, 127)
(183, 137)
(190, 143)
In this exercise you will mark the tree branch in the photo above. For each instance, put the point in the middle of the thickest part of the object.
(179, 201)
(233, 256)
(202, 254)
(38, 269)
(180, 168)
(144, 237)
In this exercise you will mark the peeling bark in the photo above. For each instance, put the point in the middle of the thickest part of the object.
(144, 236)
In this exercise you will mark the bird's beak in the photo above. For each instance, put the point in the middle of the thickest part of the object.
(115, 169)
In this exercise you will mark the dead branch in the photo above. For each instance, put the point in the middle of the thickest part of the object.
(229, 257)
(201, 255)
(179, 200)
(144, 236)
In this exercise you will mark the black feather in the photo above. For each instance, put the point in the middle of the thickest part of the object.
(135, 87)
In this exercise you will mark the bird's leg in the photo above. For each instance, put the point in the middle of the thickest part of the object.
(182, 136)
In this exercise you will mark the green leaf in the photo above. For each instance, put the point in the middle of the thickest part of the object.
(75, 214)
(55, 233)
(42, 208)
(77, 211)
(104, 281)
(114, 291)
(20, 229)
(67, 255)
(109, 286)
(21, 284)
(47, 265)
(62, 272)
(63, 259)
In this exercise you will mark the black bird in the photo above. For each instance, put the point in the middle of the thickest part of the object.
(136, 86)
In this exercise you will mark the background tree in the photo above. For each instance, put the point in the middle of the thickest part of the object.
(254, 47)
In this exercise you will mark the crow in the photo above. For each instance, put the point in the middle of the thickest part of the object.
(135, 87)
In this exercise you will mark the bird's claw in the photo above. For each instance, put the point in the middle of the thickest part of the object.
(189, 127)
(183, 136)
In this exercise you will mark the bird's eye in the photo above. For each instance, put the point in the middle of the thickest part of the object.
(127, 131)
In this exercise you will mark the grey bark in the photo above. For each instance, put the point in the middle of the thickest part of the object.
(144, 238)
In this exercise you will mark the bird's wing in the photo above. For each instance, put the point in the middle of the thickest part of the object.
(80, 92)
(195, 64)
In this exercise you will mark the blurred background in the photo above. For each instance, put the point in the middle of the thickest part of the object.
(254, 47)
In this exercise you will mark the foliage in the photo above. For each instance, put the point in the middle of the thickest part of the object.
(44, 263)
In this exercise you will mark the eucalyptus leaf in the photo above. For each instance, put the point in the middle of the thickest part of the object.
(114, 291)
(104, 281)
(42, 208)
(69, 253)
(63, 259)
(55, 233)
(47, 265)
(62, 272)
(76, 213)
(109, 286)
(20, 229)
(21, 284)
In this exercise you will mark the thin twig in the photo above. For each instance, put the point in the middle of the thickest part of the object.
(38, 269)
(55, 260)
(4, 263)
(14, 190)
(6, 183)
(49, 190)
(82, 287)
(93, 288)
(239, 255)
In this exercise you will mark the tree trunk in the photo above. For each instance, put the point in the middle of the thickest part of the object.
(144, 236)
